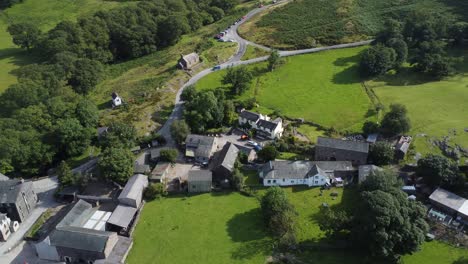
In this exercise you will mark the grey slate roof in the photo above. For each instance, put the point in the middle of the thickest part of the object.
(302, 169)
(343, 144)
(366, 170)
(447, 199)
(251, 116)
(122, 216)
(269, 125)
(227, 157)
(141, 168)
(69, 233)
(200, 175)
(134, 187)
(10, 189)
(203, 145)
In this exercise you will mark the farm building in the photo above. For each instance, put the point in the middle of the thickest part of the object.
(249, 152)
(7, 227)
(450, 203)
(262, 123)
(160, 171)
(17, 199)
(402, 147)
(132, 193)
(341, 150)
(310, 173)
(116, 100)
(141, 169)
(199, 181)
(187, 62)
(366, 170)
(224, 162)
(201, 148)
(121, 218)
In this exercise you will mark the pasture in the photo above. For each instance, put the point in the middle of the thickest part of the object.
(322, 87)
(45, 14)
(309, 23)
(436, 108)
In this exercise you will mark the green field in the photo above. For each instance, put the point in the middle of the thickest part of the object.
(308, 23)
(322, 87)
(435, 107)
(228, 228)
(254, 52)
(44, 13)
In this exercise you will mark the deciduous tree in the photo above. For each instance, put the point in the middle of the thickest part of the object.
(116, 164)
(239, 78)
(396, 121)
(26, 35)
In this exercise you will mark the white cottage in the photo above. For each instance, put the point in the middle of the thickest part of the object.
(265, 127)
(310, 173)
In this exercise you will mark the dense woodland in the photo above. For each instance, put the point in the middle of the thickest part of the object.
(8, 3)
(46, 117)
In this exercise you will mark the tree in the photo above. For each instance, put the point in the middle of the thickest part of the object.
(119, 134)
(396, 120)
(169, 155)
(279, 214)
(377, 60)
(179, 131)
(268, 153)
(229, 112)
(172, 28)
(87, 113)
(440, 171)
(370, 127)
(86, 74)
(237, 179)
(116, 164)
(73, 139)
(274, 60)
(189, 93)
(386, 223)
(155, 190)
(239, 78)
(64, 174)
(381, 153)
(8, 3)
(26, 35)
(401, 50)
(459, 32)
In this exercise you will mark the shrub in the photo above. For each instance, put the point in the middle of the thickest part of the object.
(155, 190)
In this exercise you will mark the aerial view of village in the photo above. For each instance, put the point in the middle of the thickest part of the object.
(234, 131)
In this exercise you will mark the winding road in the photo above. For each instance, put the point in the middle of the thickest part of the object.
(236, 60)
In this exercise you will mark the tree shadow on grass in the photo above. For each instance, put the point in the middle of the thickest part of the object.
(462, 260)
(246, 226)
(250, 249)
(349, 75)
(347, 61)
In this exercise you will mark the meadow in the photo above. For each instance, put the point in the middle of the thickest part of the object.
(323, 87)
(436, 108)
(309, 23)
(45, 14)
(228, 228)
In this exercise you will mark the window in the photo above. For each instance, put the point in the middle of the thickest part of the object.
(269, 181)
(67, 259)
(316, 176)
(274, 181)
(316, 182)
(284, 180)
(90, 262)
(194, 186)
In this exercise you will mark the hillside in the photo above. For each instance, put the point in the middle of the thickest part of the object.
(308, 23)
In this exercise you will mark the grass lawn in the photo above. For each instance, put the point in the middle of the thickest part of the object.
(44, 13)
(254, 52)
(435, 107)
(309, 23)
(311, 132)
(206, 228)
(323, 87)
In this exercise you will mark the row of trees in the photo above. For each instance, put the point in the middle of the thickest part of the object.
(420, 40)
(8, 3)
(383, 222)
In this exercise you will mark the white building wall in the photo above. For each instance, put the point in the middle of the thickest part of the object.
(317, 180)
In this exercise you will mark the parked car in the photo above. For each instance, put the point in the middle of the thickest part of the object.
(217, 67)
(244, 137)
(253, 143)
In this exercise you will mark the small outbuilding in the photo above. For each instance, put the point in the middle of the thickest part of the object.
(199, 181)
(132, 193)
(160, 171)
(187, 62)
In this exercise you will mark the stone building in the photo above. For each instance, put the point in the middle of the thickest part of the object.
(17, 199)
(330, 149)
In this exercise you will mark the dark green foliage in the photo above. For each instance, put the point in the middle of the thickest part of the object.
(65, 175)
(85, 75)
(179, 131)
(381, 153)
(370, 127)
(8, 3)
(440, 171)
(334, 222)
(239, 78)
(279, 215)
(25, 35)
(229, 112)
(274, 60)
(87, 113)
(458, 32)
(268, 153)
(188, 93)
(396, 121)
(155, 190)
(116, 164)
(237, 179)
(377, 60)
(169, 155)
(401, 50)
(119, 134)
(72, 137)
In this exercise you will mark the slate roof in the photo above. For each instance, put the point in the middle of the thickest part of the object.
(302, 169)
(200, 175)
(191, 58)
(10, 189)
(251, 116)
(122, 216)
(134, 187)
(227, 157)
(269, 125)
(447, 199)
(366, 170)
(343, 144)
(69, 233)
(141, 168)
(202, 145)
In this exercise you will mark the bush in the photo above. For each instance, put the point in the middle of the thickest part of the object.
(155, 190)
(169, 155)
(381, 153)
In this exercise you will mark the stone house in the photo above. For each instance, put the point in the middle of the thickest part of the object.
(17, 199)
(223, 164)
(263, 124)
(199, 181)
(201, 148)
(187, 62)
(330, 149)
